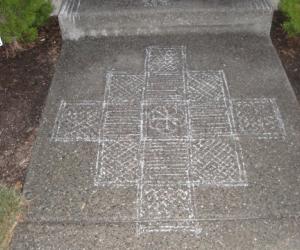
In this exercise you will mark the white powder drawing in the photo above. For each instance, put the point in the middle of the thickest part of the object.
(123, 87)
(209, 119)
(78, 121)
(206, 86)
(217, 161)
(70, 9)
(165, 120)
(121, 121)
(166, 162)
(118, 163)
(258, 117)
(165, 61)
(261, 5)
(165, 132)
(155, 3)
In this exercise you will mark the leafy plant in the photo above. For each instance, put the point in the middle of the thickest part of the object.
(10, 206)
(291, 8)
(20, 19)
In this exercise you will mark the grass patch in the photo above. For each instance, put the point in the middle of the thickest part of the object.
(291, 8)
(10, 207)
(20, 20)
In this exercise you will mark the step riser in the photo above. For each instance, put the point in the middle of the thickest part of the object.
(74, 26)
(116, 18)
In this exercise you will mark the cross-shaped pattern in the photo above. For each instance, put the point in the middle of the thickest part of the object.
(166, 131)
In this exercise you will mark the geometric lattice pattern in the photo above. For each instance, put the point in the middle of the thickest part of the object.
(258, 117)
(216, 161)
(165, 202)
(77, 122)
(165, 61)
(206, 86)
(165, 131)
(124, 87)
(164, 73)
(118, 163)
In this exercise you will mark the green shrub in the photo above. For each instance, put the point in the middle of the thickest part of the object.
(20, 19)
(10, 207)
(292, 10)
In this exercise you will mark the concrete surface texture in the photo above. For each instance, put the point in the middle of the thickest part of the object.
(137, 17)
(166, 142)
(56, 6)
(184, 138)
(275, 3)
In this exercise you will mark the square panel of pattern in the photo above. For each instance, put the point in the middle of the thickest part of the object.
(165, 202)
(209, 120)
(166, 87)
(77, 121)
(165, 162)
(206, 86)
(258, 117)
(118, 163)
(217, 162)
(124, 87)
(122, 121)
(165, 120)
(165, 61)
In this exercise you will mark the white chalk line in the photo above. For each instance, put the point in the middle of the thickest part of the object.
(189, 139)
(60, 117)
(277, 132)
(148, 76)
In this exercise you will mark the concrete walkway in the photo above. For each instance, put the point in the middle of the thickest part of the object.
(166, 142)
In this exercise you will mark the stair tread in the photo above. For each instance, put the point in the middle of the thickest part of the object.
(71, 7)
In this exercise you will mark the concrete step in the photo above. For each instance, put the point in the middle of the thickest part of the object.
(165, 139)
(219, 235)
(135, 17)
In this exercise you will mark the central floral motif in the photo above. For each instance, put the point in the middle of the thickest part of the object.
(166, 131)
(166, 119)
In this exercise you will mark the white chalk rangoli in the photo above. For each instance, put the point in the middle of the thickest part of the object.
(164, 119)
(155, 3)
(167, 131)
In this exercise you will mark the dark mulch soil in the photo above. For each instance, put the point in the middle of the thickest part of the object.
(24, 84)
(25, 80)
(288, 50)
